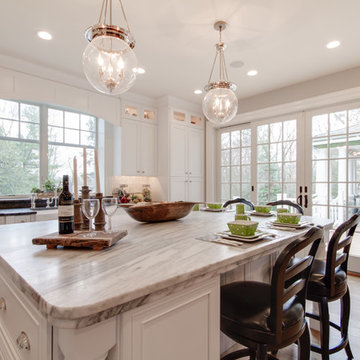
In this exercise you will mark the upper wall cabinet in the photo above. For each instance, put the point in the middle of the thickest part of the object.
(133, 111)
(187, 118)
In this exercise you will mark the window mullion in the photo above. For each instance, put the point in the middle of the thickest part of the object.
(43, 143)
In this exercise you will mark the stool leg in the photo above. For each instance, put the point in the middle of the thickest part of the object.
(252, 354)
(324, 328)
(304, 345)
(344, 321)
(261, 352)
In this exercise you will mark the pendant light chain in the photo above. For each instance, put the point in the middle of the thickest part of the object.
(213, 66)
(124, 15)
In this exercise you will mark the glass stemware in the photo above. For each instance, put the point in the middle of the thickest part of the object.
(109, 206)
(90, 208)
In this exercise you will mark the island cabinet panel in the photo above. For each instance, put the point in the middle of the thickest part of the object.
(183, 326)
(24, 333)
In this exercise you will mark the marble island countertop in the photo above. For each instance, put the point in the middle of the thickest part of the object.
(79, 287)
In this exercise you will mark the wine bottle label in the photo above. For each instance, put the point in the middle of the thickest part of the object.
(65, 211)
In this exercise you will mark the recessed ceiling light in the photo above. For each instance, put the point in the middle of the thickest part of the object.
(44, 35)
(197, 91)
(333, 44)
(252, 72)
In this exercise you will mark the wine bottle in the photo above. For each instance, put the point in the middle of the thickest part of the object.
(66, 209)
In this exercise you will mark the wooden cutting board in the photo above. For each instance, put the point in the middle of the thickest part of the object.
(100, 241)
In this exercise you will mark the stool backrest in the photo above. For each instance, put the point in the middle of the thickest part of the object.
(298, 208)
(239, 200)
(338, 250)
(290, 277)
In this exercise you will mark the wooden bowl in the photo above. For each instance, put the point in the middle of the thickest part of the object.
(156, 212)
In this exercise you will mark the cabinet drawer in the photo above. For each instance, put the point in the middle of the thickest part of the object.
(16, 321)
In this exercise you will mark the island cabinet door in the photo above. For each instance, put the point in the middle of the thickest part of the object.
(185, 325)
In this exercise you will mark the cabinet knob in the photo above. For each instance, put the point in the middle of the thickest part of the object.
(189, 180)
(143, 172)
(190, 172)
(137, 171)
(2, 304)
(186, 172)
(23, 341)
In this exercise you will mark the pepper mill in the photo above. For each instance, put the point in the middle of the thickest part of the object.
(78, 218)
(85, 191)
(100, 217)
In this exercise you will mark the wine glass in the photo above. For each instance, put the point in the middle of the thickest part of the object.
(109, 206)
(90, 208)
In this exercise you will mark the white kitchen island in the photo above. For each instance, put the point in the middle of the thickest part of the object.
(152, 296)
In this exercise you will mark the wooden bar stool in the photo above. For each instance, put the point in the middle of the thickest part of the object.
(267, 317)
(328, 282)
(239, 200)
(298, 208)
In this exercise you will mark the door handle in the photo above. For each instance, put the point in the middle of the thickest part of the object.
(306, 201)
(299, 200)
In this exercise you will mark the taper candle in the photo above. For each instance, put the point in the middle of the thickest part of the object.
(76, 192)
(84, 165)
(97, 173)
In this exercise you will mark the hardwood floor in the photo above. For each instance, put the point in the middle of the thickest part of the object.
(290, 353)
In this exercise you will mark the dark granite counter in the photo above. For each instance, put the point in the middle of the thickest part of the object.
(12, 212)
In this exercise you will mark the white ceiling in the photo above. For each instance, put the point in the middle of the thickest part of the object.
(283, 39)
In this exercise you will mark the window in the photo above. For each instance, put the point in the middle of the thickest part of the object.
(61, 134)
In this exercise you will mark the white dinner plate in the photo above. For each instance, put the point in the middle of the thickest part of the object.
(255, 213)
(300, 225)
(257, 236)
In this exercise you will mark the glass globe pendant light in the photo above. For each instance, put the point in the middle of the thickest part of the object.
(220, 103)
(109, 61)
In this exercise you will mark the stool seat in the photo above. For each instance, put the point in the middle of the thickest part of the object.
(317, 287)
(245, 310)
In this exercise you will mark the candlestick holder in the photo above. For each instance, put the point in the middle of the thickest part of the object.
(78, 218)
(85, 194)
(100, 217)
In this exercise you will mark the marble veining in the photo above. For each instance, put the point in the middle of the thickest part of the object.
(79, 287)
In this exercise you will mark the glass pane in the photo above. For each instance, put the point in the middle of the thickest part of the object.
(150, 115)
(290, 130)
(225, 191)
(88, 138)
(320, 171)
(9, 128)
(290, 192)
(72, 120)
(289, 150)
(55, 117)
(225, 140)
(275, 152)
(276, 132)
(225, 174)
(246, 137)
(55, 134)
(275, 192)
(29, 131)
(263, 134)
(354, 170)
(338, 123)
(235, 138)
(30, 113)
(235, 190)
(245, 155)
(320, 211)
(290, 172)
(235, 173)
(337, 214)
(354, 145)
(320, 193)
(9, 109)
(19, 160)
(225, 157)
(87, 122)
(338, 194)
(338, 146)
(320, 148)
(276, 172)
(72, 136)
(263, 153)
(337, 170)
(262, 193)
(235, 157)
(354, 194)
(320, 125)
(246, 191)
(61, 163)
(354, 120)
(132, 111)
(263, 172)
(245, 173)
